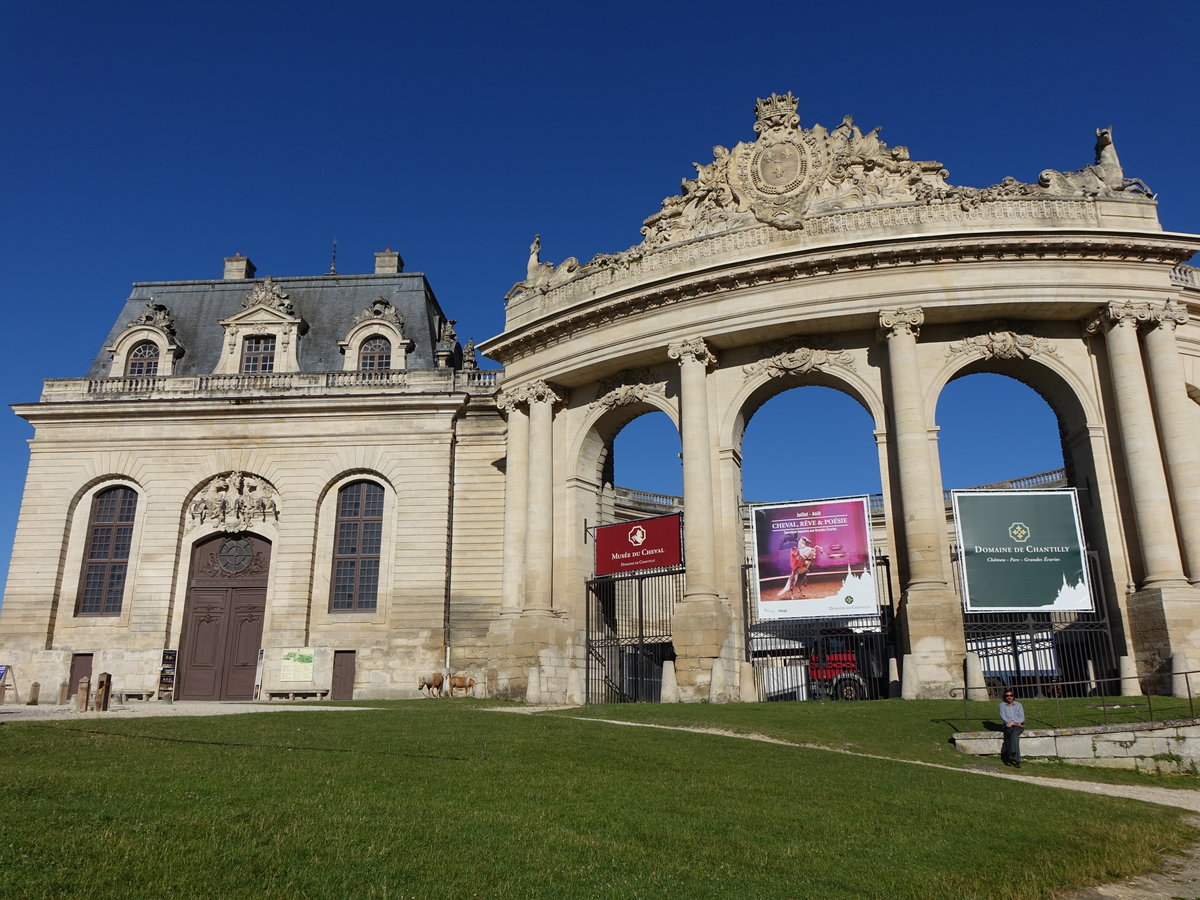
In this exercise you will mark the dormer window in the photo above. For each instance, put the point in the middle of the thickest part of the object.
(143, 359)
(375, 353)
(258, 354)
(264, 337)
(376, 339)
(148, 345)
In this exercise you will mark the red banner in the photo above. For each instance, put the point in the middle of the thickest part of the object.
(644, 544)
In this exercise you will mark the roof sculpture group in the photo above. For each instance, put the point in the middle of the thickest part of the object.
(790, 175)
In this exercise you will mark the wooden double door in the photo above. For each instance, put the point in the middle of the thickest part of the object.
(223, 618)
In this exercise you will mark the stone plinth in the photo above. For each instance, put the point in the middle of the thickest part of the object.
(932, 620)
(700, 629)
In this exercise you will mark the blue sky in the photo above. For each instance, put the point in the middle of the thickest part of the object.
(147, 141)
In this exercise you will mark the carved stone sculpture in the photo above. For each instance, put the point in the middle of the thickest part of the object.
(792, 178)
(798, 361)
(627, 387)
(382, 311)
(468, 358)
(268, 294)
(155, 316)
(235, 500)
(1000, 341)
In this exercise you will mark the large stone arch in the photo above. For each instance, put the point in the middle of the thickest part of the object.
(602, 422)
(762, 386)
(869, 254)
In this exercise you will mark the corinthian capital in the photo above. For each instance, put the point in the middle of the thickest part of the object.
(1129, 312)
(695, 349)
(525, 394)
(901, 320)
(1169, 315)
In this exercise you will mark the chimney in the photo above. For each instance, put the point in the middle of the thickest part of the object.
(238, 267)
(389, 262)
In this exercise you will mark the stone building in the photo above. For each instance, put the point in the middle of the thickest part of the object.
(284, 464)
(806, 256)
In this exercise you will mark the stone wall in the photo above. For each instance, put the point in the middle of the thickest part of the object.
(1164, 747)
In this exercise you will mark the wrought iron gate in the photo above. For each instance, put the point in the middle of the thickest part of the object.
(629, 635)
(821, 658)
(1034, 652)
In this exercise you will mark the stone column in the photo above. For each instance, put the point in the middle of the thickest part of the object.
(698, 536)
(700, 625)
(931, 614)
(516, 481)
(924, 523)
(1180, 440)
(539, 521)
(1139, 441)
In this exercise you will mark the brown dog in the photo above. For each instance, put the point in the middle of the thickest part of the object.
(462, 683)
(432, 685)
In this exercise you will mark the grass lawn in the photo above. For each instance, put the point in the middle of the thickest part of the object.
(904, 729)
(426, 800)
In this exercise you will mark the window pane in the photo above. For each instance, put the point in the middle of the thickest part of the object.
(258, 354)
(375, 353)
(143, 359)
(358, 540)
(109, 543)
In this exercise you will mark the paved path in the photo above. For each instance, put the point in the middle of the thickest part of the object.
(145, 709)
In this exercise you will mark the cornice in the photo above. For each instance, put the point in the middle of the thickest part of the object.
(181, 410)
(557, 326)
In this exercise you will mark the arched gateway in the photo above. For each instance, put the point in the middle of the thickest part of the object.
(399, 511)
(814, 256)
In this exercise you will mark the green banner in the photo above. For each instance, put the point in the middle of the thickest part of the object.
(1021, 551)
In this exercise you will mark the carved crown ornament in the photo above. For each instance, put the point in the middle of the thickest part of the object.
(998, 340)
(157, 316)
(381, 310)
(799, 360)
(268, 293)
(234, 501)
(790, 175)
(628, 387)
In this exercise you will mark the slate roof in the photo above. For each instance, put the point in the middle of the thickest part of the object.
(327, 303)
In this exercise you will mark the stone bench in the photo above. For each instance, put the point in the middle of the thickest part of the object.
(123, 696)
(297, 695)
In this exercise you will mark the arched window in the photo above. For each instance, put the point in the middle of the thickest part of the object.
(375, 353)
(258, 354)
(109, 535)
(143, 359)
(357, 540)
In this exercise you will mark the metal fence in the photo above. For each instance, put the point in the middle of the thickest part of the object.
(628, 626)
